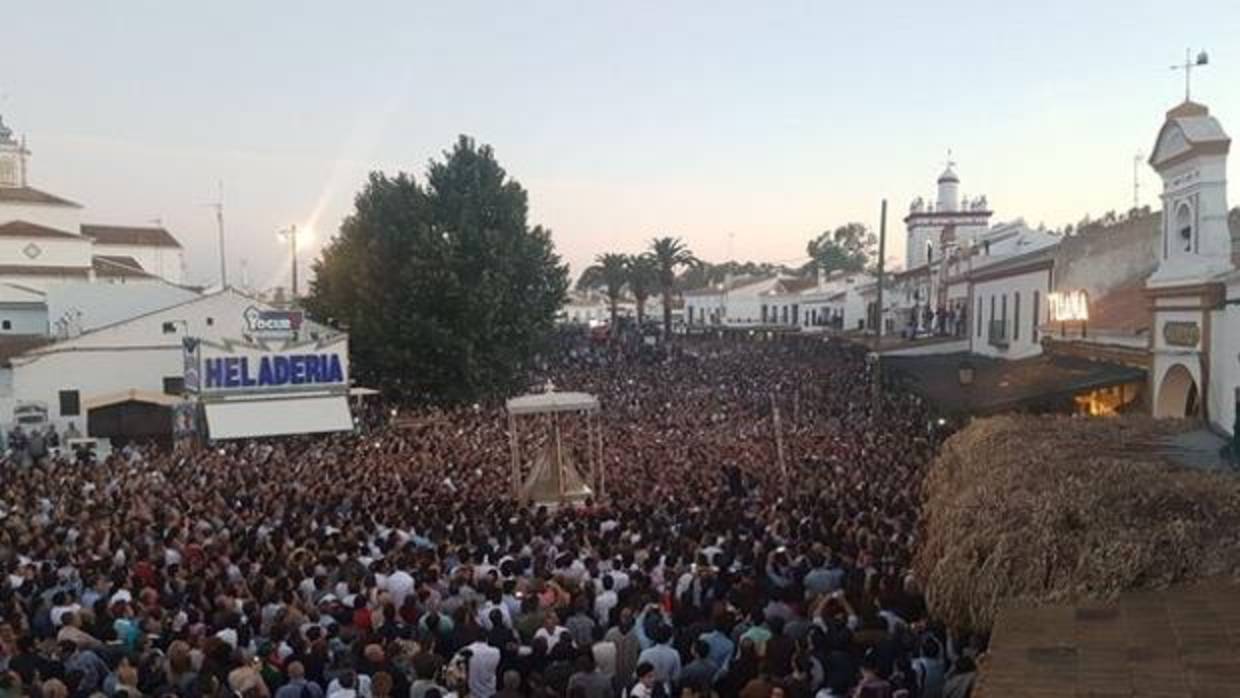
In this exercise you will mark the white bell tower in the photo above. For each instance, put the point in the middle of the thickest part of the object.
(12, 159)
(1191, 157)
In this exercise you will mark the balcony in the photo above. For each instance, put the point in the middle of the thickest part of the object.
(998, 334)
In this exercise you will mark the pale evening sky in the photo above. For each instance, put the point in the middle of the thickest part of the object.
(766, 121)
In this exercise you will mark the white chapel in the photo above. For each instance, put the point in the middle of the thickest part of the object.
(44, 241)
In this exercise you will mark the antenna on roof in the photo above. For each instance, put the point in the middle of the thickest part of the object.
(218, 205)
(1136, 180)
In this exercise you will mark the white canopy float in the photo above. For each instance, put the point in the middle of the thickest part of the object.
(551, 402)
(552, 477)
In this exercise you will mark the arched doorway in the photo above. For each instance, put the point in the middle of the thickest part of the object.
(1177, 395)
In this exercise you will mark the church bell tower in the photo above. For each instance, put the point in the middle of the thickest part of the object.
(13, 156)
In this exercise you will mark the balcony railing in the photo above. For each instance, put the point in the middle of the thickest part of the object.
(998, 334)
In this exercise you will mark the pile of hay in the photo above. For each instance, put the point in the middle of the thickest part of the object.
(1051, 509)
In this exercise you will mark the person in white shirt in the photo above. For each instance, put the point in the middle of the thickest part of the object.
(550, 632)
(483, 664)
(605, 601)
(399, 585)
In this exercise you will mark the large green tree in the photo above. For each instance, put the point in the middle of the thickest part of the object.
(446, 291)
(847, 248)
(608, 274)
(670, 254)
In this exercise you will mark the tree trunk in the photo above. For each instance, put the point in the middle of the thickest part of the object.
(667, 313)
(615, 312)
(641, 312)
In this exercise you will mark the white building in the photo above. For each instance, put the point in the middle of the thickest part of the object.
(935, 228)
(141, 360)
(43, 240)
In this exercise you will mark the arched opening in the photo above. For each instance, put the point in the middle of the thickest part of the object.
(1184, 226)
(1177, 395)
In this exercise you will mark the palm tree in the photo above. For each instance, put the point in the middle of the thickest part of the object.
(610, 273)
(643, 281)
(670, 254)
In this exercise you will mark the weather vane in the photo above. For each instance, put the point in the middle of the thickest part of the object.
(1202, 60)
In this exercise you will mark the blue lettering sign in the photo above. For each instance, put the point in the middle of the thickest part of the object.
(273, 371)
(232, 372)
(265, 376)
(246, 379)
(215, 373)
(279, 370)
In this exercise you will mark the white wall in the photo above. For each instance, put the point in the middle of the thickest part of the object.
(1023, 340)
(92, 373)
(64, 218)
(25, 319)
(53, 252)
(1225, 362)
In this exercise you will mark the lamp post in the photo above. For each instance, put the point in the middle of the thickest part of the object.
(290, 234)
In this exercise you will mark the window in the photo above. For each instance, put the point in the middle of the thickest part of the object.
(174, 385)
(992, 309)
(170, 328)
(979, 317)
(1003, 315)
(1184, 225)
(70, 403)
(1033, 332)
(210, 321)
(7, 324)
(1016, 317)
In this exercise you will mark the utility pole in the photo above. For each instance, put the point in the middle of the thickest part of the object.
(878, 329)
(291, 234)
(219, 224)
(1136, 181)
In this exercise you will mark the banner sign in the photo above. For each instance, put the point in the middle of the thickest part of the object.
(234, 367)
(192, 361)
(272, 323)
(223, 372)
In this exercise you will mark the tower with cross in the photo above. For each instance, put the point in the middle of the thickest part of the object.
(1190, 64)
(13, 154)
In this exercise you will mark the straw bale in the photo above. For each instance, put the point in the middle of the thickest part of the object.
(1054, 509)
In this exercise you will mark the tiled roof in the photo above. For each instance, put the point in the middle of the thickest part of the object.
(33, 270)
(117, 266)
(798, 285)
(29, 195)
(1177, 642)
(130, 235)
(23, 229)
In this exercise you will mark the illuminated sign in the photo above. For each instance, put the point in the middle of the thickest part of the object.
(1069, 306)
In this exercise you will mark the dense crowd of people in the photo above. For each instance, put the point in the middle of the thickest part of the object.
(755, 542)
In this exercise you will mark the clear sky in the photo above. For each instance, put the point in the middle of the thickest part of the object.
(748, 126)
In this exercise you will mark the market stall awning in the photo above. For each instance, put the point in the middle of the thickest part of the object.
(1000, 386)
(96, 401)
(544, 403)
(243, 419)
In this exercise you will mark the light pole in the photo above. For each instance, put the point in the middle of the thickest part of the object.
(291, 234)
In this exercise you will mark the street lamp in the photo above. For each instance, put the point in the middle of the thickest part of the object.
(290, 234)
